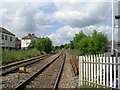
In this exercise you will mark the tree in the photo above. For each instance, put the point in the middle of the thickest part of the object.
(42, 44)
(94, 44)
(98, 43)
(83, 46)
(71, 45)
(77, 38)
(61, 46)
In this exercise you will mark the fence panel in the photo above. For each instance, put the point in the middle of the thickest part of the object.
(99, 70)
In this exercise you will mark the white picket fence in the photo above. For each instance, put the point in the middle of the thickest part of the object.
(99, 71)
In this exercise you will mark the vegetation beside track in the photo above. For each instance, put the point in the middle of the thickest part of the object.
(17, 55)
(96, 43)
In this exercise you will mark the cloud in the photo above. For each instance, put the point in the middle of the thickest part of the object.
(63, 35)
(25, 18)
(83, 14)
(28, 17)
(66, 34)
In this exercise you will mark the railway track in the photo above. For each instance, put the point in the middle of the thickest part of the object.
(15, 66)
(46, 77)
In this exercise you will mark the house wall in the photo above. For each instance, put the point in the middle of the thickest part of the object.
(7, 43)
(25, 43)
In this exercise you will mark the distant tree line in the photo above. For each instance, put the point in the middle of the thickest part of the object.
(92, 44)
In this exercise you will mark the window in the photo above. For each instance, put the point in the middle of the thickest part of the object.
(5, 37)
(10, 38)
(2, 36)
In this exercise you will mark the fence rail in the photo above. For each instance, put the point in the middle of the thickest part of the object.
(99, 71)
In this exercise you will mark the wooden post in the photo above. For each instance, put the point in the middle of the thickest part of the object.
(111, 72)
(80, 70)
(100, 71)
(97, 71)
(89, 69)
(104, 70)
(92, 69)
(118, 72)
(114, 61)
(84, 69)
(107, 71)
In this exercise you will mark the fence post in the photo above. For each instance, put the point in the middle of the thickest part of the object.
(118, 72)
(84, 74)
(92, 70)
(80, 70)
(89, 69)
(104, 70)
(107, 71)
(114, 80)
(97, 71)
(111, 72)
(100, 71)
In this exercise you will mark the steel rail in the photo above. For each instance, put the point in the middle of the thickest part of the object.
(26, 82)
(59, 74)
(20, 62)
(3, 73)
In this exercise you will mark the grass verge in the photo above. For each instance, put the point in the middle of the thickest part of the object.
(13, 55)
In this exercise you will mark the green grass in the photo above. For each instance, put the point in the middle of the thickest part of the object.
(88, 86)
(73, 53)
(13, 55)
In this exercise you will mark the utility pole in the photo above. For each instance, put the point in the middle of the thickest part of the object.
(115, 25)
(117, 18)
(113, 17)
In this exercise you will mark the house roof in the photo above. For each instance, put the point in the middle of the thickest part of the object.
(29, 36)
(3, 30)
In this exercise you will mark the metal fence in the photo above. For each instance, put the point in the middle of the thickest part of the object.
(99, 71)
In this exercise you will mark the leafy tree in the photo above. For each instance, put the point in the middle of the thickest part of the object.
(42, 44)
(71, 45)
(83, 46)
(94, 44)
(56, 47)
(61, 46)
(77, 38)
(98, 43)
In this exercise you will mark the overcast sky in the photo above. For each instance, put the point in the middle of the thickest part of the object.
(60, 21)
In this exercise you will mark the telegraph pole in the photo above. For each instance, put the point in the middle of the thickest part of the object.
(117, 17)
(113, 26)
(115, 20)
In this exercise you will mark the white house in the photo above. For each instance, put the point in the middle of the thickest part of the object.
(26, 40)
(7, 39)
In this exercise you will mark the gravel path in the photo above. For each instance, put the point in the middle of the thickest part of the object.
(68, 80)
(13, 79)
